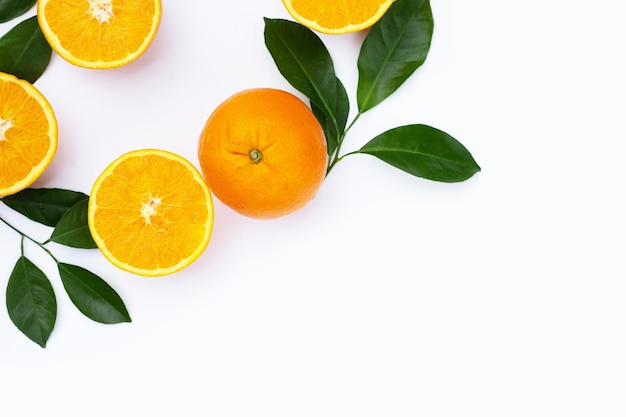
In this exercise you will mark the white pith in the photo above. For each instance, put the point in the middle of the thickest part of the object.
(101, 10)
(149, 209)
(4, 126)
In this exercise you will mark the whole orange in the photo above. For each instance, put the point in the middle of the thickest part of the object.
(263, 153)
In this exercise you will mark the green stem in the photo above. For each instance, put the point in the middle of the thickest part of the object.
(352, 123)
(25, 236)
(336, 155)
(336, 160)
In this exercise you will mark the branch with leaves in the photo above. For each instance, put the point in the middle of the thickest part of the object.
(394, 48)
(30, 298)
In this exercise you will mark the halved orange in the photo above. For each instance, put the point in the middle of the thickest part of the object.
(99, 33)
(28, 134)
(150, 212)
(337, 16)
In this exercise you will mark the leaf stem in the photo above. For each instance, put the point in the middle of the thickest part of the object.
(352, 123)
(25, 236)
(336, 155)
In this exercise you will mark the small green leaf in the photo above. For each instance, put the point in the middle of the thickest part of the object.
(73, 228)
(44, 205)
(31, 302)
(24, 52)
(304, 61)
(10, 9)
(393, 49)
(423, 151)
(92, 295)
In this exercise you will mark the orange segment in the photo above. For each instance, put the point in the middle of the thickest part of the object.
(150, 212)
(28, 134)
(337, 16)
(99, 33)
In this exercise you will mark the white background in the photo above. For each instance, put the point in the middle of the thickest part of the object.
(387, 295)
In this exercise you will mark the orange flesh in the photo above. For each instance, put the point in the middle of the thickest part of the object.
(100, 31)
(26, 146)
(337, 16)
(151, 213)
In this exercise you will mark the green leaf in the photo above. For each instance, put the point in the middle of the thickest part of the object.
(304, 61)
(44, 205)
(334, 131)
(92, 295)
(327, 126)
(31, 302)
(10, 9)
(24, 52)
(393, 49)
(73, 228)
(423, 151)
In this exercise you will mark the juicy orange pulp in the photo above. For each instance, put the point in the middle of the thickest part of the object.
(337, 16)
(99, 33)
(28, 134)
(150, 212)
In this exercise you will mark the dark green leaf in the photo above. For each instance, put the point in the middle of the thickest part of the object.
(393, 49)
(10, 9)
(73, 228)
(92, 295)
(425, 152)
(334, 131)
(44, 205)
(24, 52)
(329, 130)
(31, 302)
(304, 61)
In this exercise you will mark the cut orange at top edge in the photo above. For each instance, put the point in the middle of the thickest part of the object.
(337, 16)
(150, 212)
(99, 33)
(28, 134)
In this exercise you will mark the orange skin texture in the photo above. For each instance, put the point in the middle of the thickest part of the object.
(290, 139)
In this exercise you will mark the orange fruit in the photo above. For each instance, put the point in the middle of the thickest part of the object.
(99, 33)
(150, 212)
(263, 153)
(337, 16)
(28, 134)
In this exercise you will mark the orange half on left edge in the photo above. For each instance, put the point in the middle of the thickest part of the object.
(28, 134)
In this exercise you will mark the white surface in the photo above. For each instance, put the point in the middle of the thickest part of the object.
(387, 295)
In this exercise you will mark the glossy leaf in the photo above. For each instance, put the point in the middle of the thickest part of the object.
(73, 228)
(10, 9)
(44, 205)
(329, 130)
(31, 302)
(334, 132)
(92, 295)
(425, 152)
(304, 61)
(24, 52)
(393, 49)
